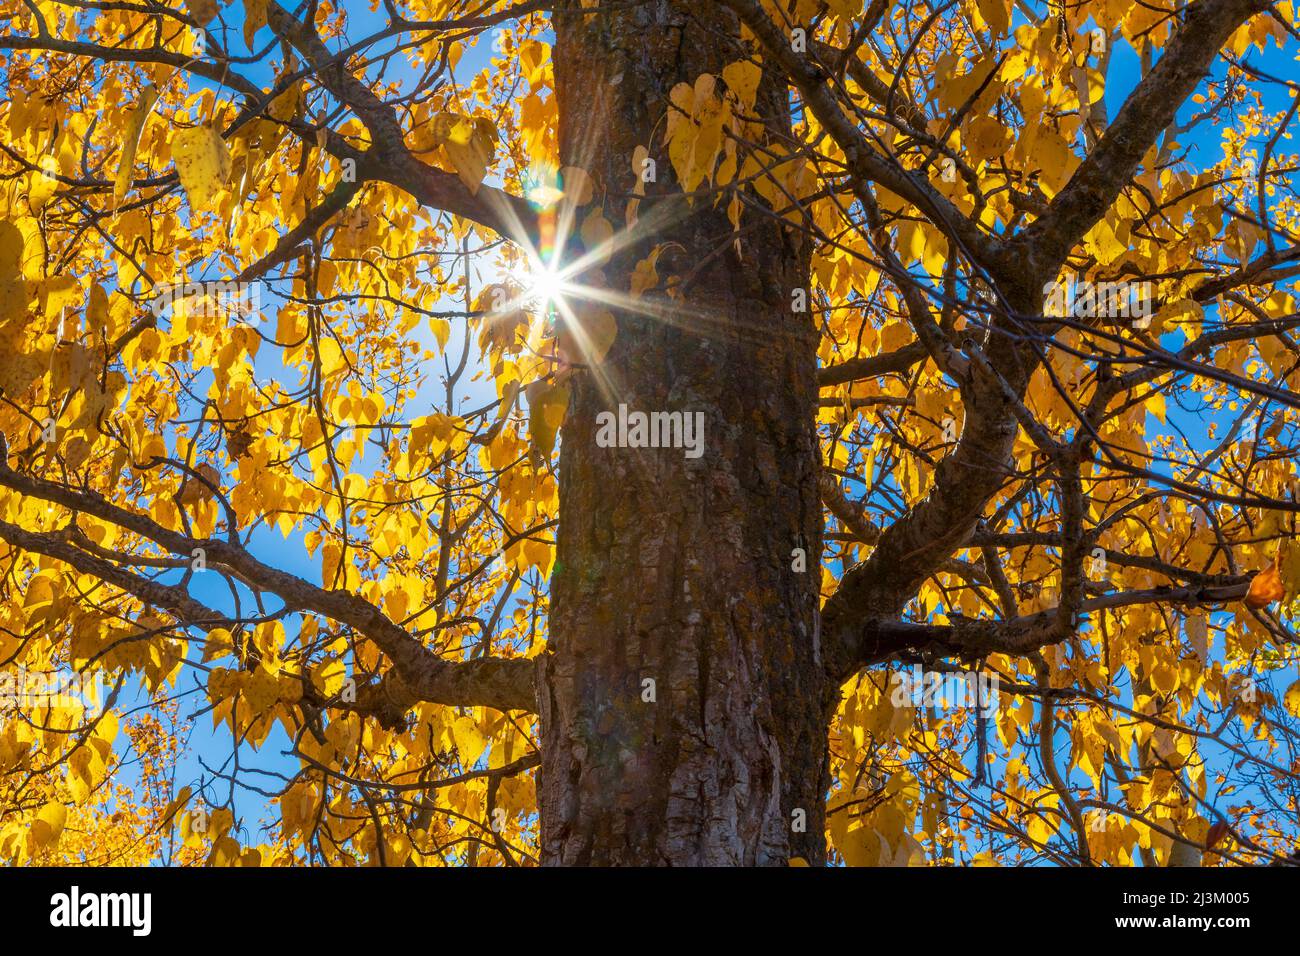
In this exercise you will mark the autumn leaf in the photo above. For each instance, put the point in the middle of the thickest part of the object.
(469, 144)
(196, 491)
(585, 337)
(49, 823)
(1217, 831)
(254, 19)
(11, 250)
(1291, 699)
(578, 187)
(547, 403)
(597, 235)
(742, 79)
(202, 163)
(1266, 587)
(131, 140)
(202, 10)
(996, 14)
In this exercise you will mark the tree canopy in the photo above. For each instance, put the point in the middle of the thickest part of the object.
(291, 298)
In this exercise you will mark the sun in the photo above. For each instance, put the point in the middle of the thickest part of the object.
(546, 284)
(542, 284)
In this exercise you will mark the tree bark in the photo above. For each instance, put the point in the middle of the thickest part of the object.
(675, 570)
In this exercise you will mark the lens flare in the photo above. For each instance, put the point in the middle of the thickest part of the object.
(542, 284)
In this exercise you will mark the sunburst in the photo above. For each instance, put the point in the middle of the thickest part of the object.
(556, 281)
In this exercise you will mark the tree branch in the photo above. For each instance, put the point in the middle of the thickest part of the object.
(389, 159)
(877, 640)
(492, 682)
(1150, 108)
(864, 163)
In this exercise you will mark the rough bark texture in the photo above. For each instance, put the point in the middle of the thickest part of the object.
(673, 569)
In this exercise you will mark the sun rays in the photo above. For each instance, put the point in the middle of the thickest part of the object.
(560, 274)
(557, 273)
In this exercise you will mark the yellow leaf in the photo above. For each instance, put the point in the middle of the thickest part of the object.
(546, 406)
(1289, 567)
(1052, 155)
(1165, 679)
(1291, 699)
(1156, 405)
(742, 79)
(254, 19)
(131, 141)
(469, 741)
(469, 144)
(645, 276)
(955, 89)
(985, 137)
(202, 163)
(97, 317)
(330, 556)
(49, 823)
(995, 14)
(108, 727)
(538, 554)
(11, 250)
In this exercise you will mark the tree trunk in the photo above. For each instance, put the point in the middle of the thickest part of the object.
(670, 569)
